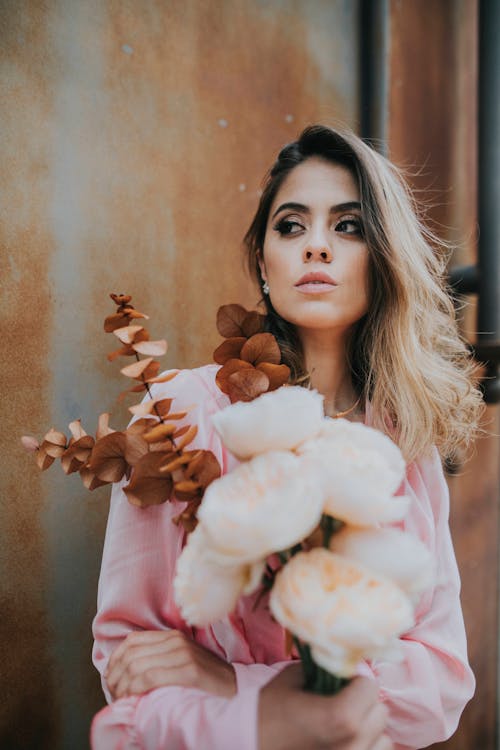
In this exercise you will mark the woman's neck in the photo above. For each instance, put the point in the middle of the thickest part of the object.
(325, 357)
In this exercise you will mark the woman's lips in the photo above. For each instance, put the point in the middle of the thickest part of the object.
(315, 283)
(315, 287)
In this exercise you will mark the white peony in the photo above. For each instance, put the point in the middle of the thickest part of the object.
(392, 553)
(263, 506)
(361, 468)
(278, 420)
(206, 591)
(343, 611)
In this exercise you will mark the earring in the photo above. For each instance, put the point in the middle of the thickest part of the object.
(265, 287)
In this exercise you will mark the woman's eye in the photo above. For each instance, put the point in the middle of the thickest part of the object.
(286, 226)
(350, 226)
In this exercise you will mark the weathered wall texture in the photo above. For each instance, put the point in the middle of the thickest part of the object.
(133, 143)
(134, 140)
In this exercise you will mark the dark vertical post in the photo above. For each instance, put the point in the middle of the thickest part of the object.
(489, 191)
(374, 51)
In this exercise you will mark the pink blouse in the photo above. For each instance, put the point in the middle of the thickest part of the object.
(425, 693)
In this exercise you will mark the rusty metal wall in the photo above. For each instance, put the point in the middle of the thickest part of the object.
(134, 139)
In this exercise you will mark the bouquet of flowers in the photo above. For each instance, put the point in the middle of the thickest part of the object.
(301, 516)
(314, 492)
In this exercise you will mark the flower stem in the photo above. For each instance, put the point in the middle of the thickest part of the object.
(317, 679)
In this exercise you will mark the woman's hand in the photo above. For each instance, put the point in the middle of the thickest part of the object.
(150, 659)
(291, 719)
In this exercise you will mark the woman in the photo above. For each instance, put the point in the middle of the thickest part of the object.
(354, 294)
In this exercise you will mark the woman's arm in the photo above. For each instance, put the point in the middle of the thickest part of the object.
(427, 692)
(142, 545)
(281, 717)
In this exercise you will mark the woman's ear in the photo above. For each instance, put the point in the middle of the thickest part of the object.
(262, 265)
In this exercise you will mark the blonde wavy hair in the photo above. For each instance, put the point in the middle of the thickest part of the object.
(406, 355)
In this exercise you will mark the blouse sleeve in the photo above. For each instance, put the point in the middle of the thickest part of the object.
(142, 544)
(427, 692)
(135, 593)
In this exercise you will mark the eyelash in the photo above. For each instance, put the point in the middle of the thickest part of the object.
(282, 223)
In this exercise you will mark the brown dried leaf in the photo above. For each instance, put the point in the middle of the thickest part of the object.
(151, 371)
(188, 516)
(43, 460)
(145, 407)
(135, 447)
(253, 323)
(76, 429)
(124, 351)
(159, 432)
(278, 374)
(127, 334)
(188, 437)
(230, 319)
(229, 349)
(134, 314)
(151, 348)
(246, 385)
(163, 407)
(232, 365)
(141, 425)
(149, 486)
(89, 479)
(118, 320)
(103, 427)
(181, 431)
(30, 443)
(77, 454)
(262, 347)
(120, 299)
(164, 446)
(186, 486)
(55, 437)
(203, 468)
(176, 462)
(177, 415)
(136, 369)
(107, 460)
(164, 378)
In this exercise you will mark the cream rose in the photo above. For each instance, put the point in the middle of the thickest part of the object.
(392, 553)
(278, 420)
(361, 468)
(343, 611)
(263, 506)
(206, 591)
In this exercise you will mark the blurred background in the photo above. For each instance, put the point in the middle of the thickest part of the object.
(135, 135)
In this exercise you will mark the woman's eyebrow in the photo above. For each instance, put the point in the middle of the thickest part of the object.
(349, 206)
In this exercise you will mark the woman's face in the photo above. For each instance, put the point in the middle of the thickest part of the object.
(314, 258)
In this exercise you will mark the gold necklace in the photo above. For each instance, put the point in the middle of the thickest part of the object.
(347, 411)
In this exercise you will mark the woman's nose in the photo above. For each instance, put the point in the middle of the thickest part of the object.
(321, 253)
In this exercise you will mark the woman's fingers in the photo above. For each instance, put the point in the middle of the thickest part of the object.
(137, 646)
(149, 671)
(148, 659)
(137, 637)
